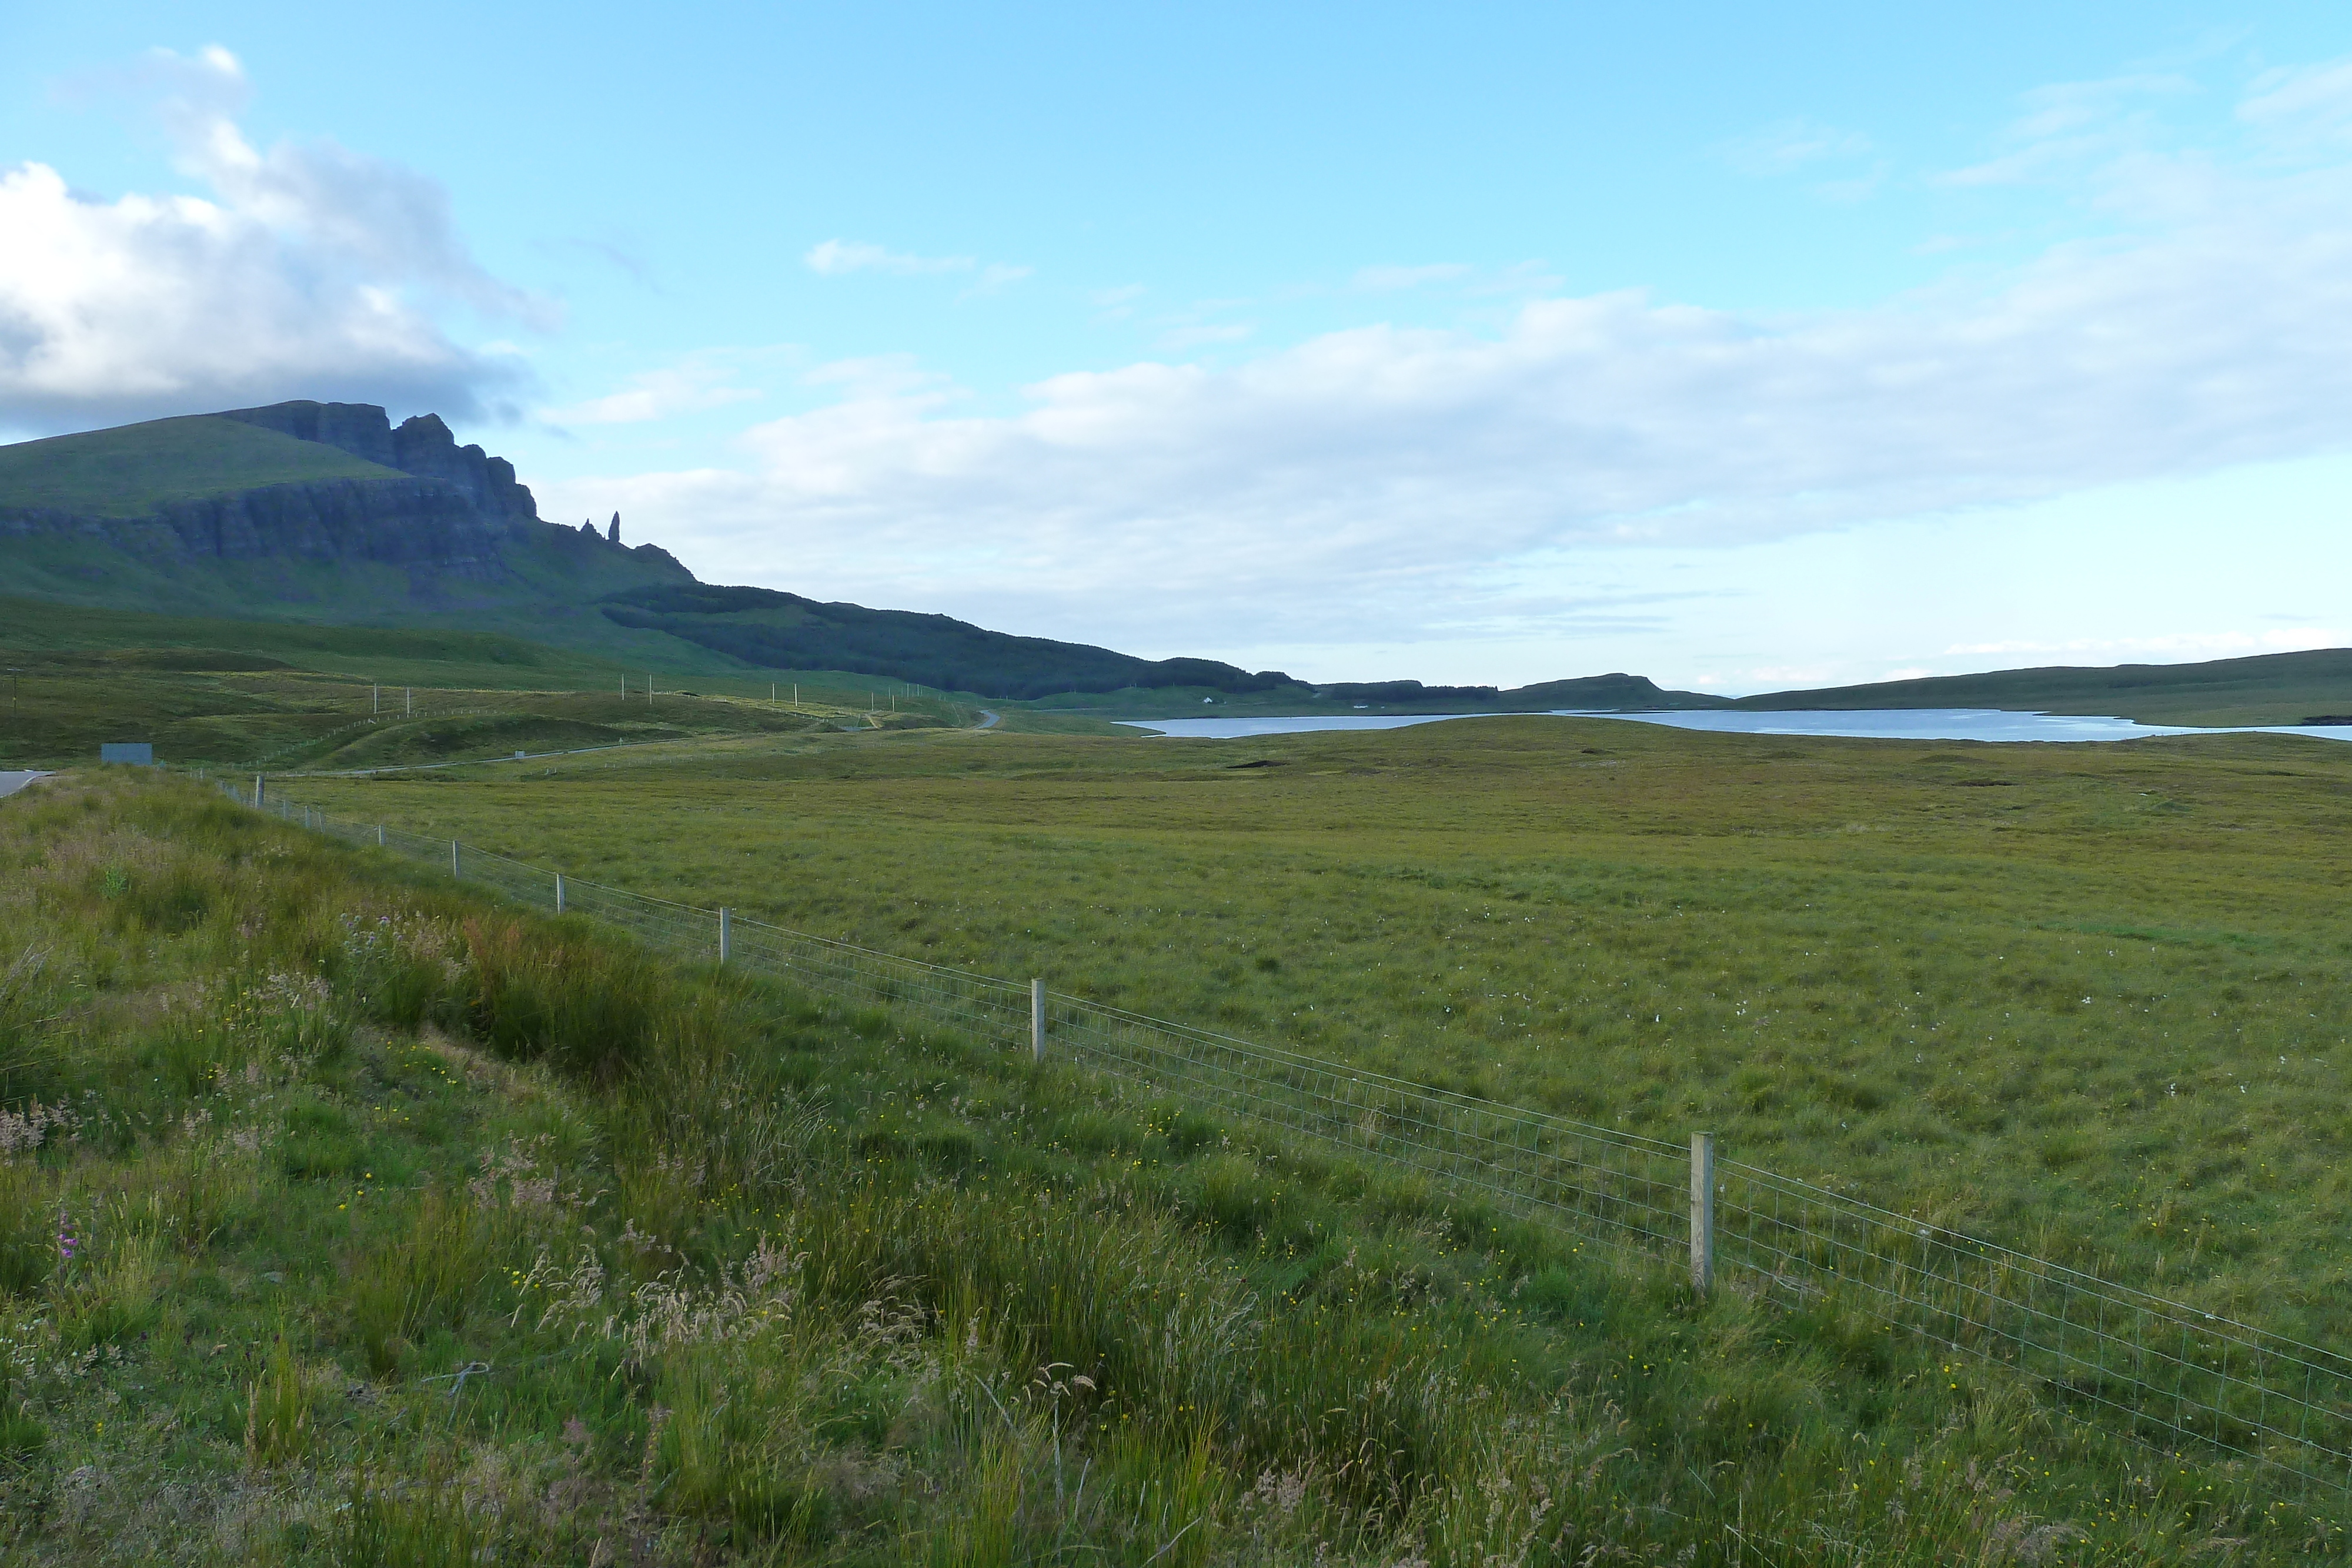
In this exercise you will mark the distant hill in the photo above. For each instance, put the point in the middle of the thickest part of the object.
(327, 513)
(1613, 693)
(762, 626)
(2263, 688)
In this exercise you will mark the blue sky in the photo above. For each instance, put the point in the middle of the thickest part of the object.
(1743, 347)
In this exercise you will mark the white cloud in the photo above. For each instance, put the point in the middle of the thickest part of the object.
(843, 257)
(840, 257)
(1412, 480)
(998, 275)
(2166, 646)
(1787, 146)
(2068, 124)
(2309, 103)
(1383, 464)
(307, 272)
(697, 383)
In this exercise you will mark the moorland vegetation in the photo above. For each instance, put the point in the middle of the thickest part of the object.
(347, 1218)
(2089, 1001)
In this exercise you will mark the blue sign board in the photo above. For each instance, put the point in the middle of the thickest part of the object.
(138, 752)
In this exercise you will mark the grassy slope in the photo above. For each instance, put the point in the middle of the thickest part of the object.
(746, 1281)
(546, 596)
(2270, 688)
(2093, 1000)
(133, 470)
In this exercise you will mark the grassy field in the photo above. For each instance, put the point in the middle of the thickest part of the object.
(345, 1219)
(247, 695)
(2089, 1000)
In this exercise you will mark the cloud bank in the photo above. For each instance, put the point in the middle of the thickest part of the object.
(1384, 470)
(309, 271)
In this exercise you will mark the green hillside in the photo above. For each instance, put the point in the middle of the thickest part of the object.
(761, 626)
(134, 469)
(2267, 688)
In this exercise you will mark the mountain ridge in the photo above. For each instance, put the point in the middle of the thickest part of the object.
(328, 513)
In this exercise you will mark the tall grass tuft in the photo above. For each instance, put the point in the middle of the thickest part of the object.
(31, 1203)
(587, 1009)
(280, 1409)
(423, 1280)
(27, 1072)
(423, 1526)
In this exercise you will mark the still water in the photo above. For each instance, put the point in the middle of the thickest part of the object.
(1877, 724)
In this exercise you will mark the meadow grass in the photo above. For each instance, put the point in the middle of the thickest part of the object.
(2089, 1001)
(371, 1223)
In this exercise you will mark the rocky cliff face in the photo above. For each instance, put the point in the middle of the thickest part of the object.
(448, 511)
(411, 522)
(422, 445)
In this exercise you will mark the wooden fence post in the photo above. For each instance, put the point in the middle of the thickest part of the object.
(456, 867)
(1701, 1213)
(725, 933)
(558, 893)
(1037, 1020)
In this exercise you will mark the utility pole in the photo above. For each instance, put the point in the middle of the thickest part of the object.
(375, 699)
(408, 701)
(16, 686)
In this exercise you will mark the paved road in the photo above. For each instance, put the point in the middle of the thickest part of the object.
(11, 782)
(988, 718)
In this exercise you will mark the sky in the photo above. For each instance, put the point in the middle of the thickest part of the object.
(1741, 347)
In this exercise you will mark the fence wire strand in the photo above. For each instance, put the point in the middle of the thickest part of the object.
(2161, 1372)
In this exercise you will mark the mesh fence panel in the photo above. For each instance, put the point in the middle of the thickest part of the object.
(2158, 1370)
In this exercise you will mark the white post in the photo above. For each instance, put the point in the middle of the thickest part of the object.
(375, 697)
(796, 696)
(455, 869)
(558, 893)
(408, 702)
(257, 791)
(379, 835)
(1037, 1020)
(725, 933)
(1701, 1213)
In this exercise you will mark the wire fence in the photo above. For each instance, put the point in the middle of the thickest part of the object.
(2160, 1372)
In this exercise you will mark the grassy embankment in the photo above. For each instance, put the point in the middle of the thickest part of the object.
(2088, 1000)
(294, 1138)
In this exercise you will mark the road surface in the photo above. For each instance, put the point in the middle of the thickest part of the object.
(11, 782)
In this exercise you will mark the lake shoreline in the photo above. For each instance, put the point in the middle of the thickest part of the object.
(1994, 726)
